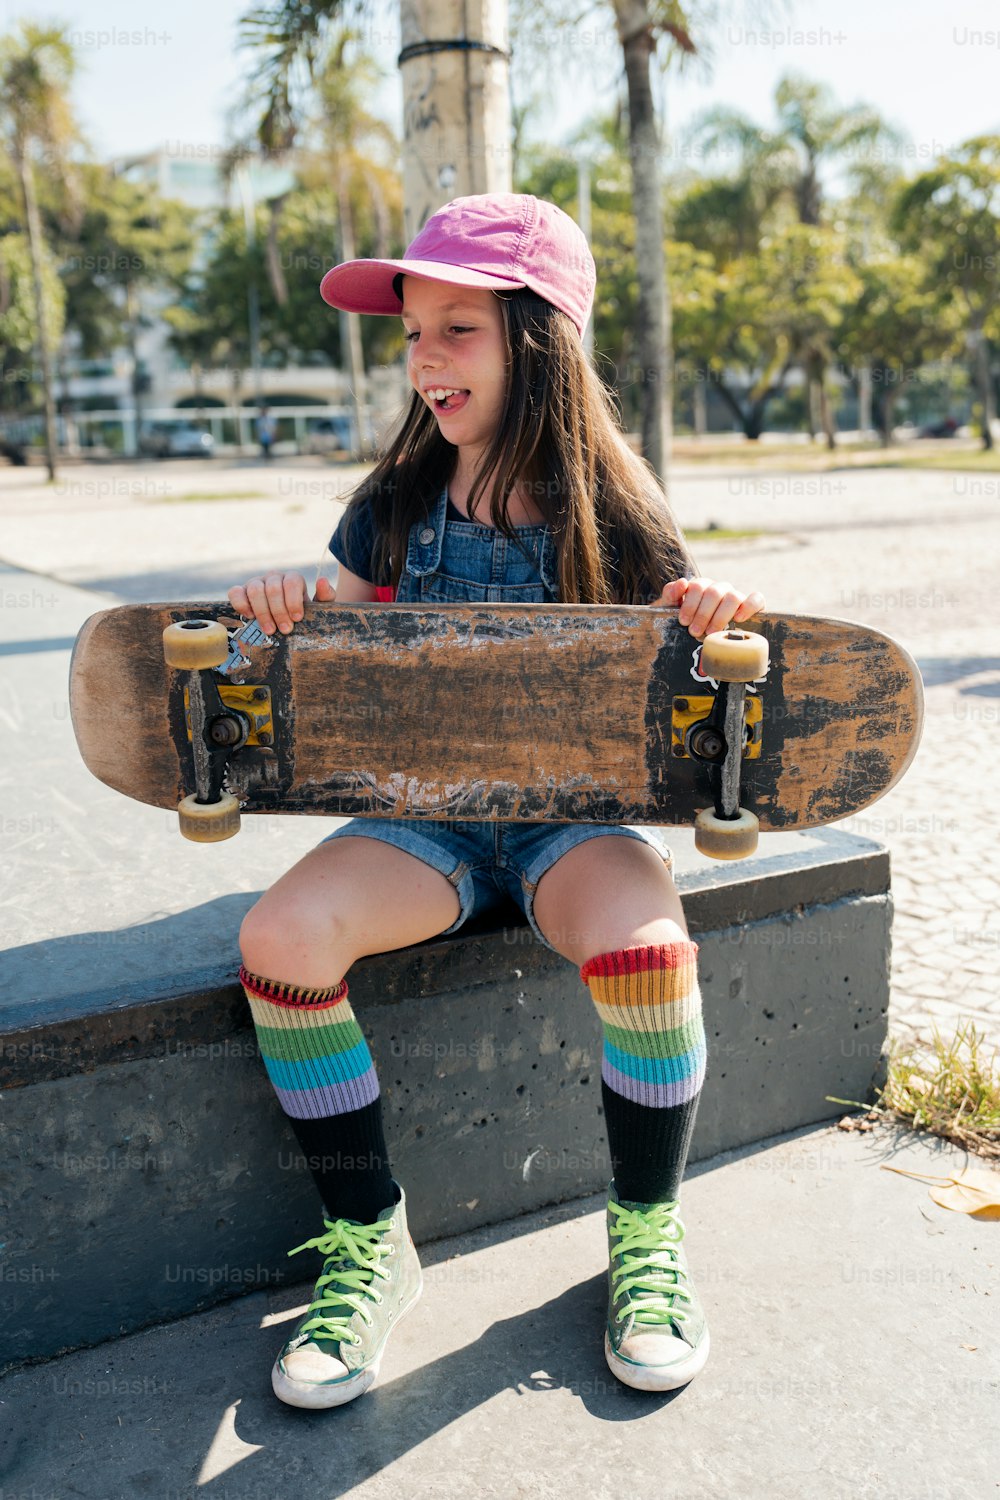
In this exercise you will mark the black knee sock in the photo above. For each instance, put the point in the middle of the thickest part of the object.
(649, 1147)
(348, 1159)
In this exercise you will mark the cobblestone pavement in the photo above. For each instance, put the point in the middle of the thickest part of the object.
(915, 553)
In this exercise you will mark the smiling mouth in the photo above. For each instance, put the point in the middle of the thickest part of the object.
(450, 403)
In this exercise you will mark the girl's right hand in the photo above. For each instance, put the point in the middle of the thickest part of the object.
(277, 600)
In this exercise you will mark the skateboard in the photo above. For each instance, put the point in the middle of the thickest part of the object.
(540, 713)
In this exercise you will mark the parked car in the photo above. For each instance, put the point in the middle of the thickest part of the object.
(326, 435)
(176, 440)
(945, 428)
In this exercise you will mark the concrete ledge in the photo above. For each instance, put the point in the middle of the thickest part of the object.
(150, 1172)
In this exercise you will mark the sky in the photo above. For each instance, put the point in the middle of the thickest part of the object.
(156, 75)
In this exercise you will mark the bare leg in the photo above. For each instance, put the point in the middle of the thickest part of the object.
(608, 893)
(343, 900)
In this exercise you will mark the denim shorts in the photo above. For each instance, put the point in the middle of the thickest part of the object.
(453, 561)
(485, 861)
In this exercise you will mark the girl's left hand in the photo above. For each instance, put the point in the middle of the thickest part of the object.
(703, 605)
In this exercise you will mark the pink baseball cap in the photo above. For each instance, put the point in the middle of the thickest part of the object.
(498, 241)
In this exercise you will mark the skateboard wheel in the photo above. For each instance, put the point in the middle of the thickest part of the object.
(726, 838)
(195, 644)
(209, 822)
(734, 655)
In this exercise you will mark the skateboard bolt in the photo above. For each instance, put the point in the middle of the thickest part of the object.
(259, 695)
(225, 731)
(263, 738)
(681, 705)
(705, 742)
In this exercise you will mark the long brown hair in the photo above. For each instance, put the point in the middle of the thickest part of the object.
(559, 440)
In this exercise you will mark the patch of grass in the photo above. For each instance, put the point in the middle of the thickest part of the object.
(719, 534)
(977, 460)
(928, 453)
(944, 1088)
(704, 450)
(209, 495)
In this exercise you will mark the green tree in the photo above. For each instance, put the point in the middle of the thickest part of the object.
(903, 320)
(36, 121)
(813, 289)
(951, 216)
(812, 132)
(19, 316)
(777, 174)
(725, 218)
(764, 313)
(309, 92)
(130, 240)
(725, 325)
(94, 316)
(356, 152)
(208, 319)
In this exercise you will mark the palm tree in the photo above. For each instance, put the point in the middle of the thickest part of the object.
(639, 27)
(950, 214)
(335, 137)
(347, 131)
(37, 64)
(785, 164)
(812, 131)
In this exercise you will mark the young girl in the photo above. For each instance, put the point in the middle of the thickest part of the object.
(508, 479)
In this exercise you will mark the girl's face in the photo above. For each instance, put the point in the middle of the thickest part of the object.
(455, 342)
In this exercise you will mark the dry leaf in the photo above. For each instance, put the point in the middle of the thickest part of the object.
(971, 1347)
(974, 1190)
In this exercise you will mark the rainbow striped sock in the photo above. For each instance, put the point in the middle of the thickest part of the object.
(653, 1065)
(313, 1048)
(322, 1071)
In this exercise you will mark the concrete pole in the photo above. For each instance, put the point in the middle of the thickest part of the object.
(350, 322)
(583, 199)
(253, 292)
(457, 132)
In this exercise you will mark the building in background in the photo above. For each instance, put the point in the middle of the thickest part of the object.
(311, 401)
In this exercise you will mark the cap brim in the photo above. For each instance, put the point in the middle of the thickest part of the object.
(365, 286)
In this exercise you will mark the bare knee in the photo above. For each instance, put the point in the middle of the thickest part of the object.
(607, 894)
(297, 944)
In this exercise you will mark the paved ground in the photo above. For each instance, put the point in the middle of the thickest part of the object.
(914, 553)
(854, 1349)
(853, 1358)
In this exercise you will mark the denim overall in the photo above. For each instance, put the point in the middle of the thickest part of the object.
(453, 561)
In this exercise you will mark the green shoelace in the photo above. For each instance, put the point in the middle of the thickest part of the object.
(649, 1263)
(352, 1258)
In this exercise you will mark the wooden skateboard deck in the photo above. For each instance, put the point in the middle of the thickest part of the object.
(576, 713)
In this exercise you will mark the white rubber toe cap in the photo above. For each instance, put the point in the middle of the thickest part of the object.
(656, 1361)
(310, 1363)
(315, 1380)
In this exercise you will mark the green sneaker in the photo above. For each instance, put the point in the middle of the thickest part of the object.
(657, 1337)
(371, 1276)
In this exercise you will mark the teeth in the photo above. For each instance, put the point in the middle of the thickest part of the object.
(441, 394)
